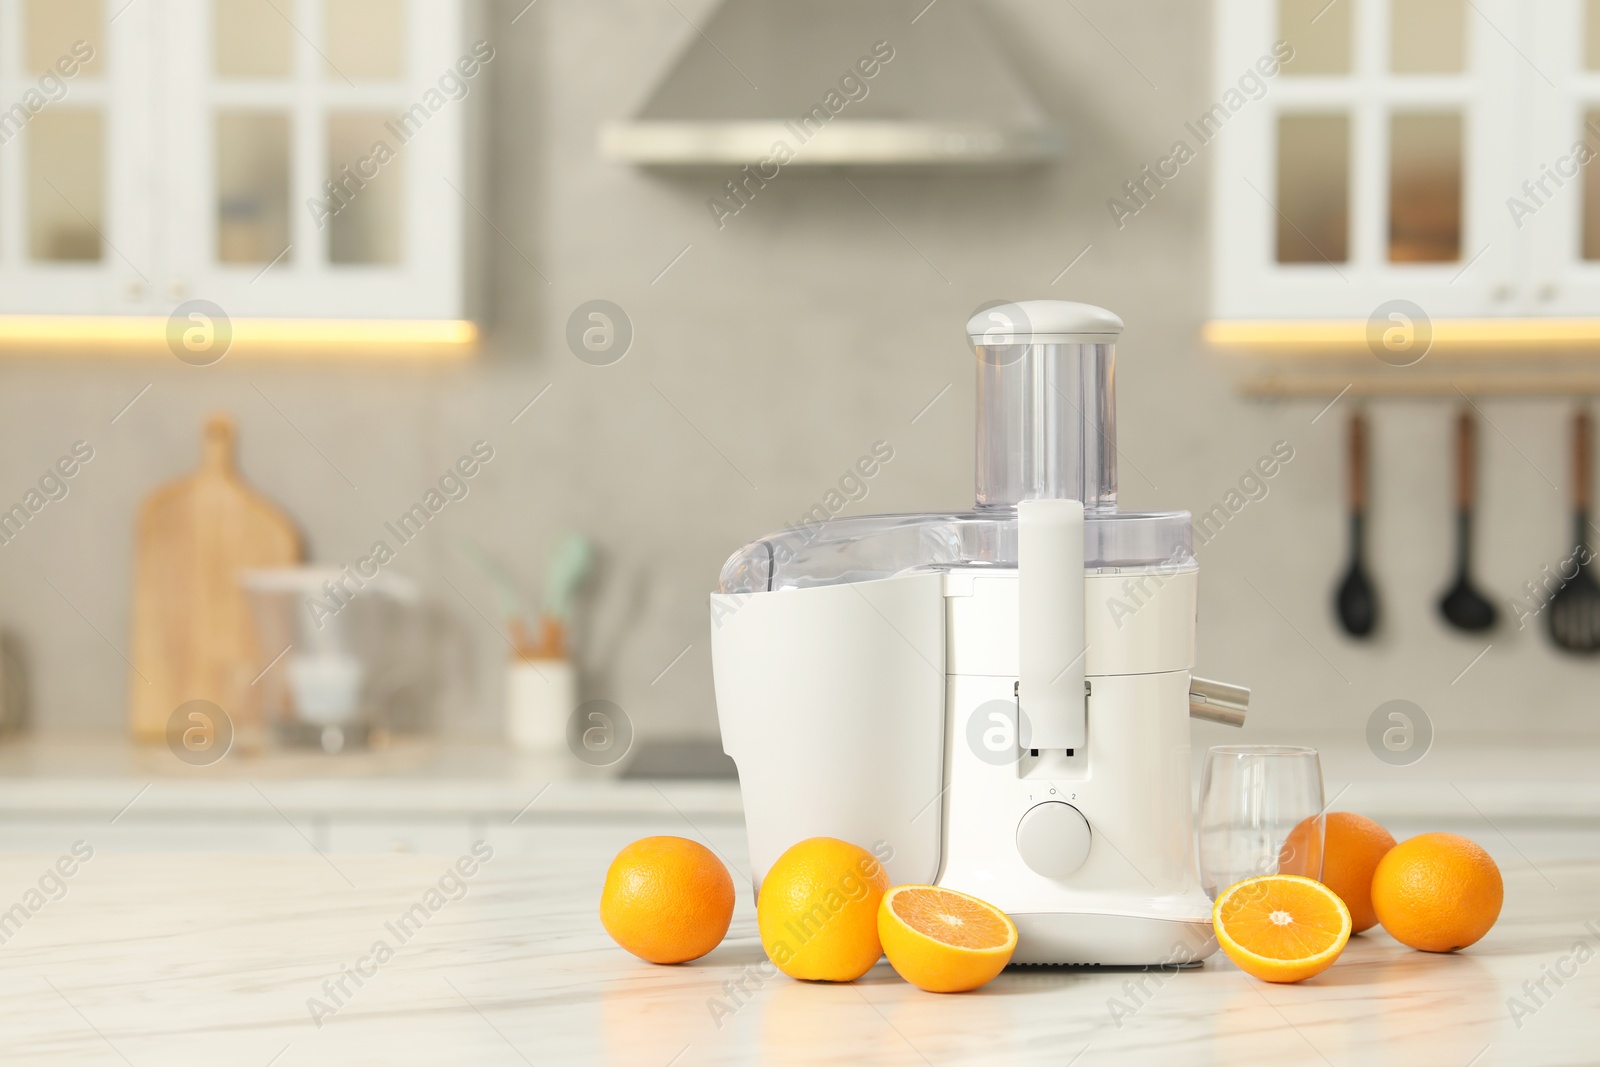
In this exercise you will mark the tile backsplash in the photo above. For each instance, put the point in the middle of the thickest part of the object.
(822, 323)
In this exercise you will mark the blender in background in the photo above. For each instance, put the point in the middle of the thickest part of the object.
(342, 665)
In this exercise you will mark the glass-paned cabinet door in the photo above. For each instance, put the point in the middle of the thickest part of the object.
(319, 150)
(73, 235)
(1555, 198)
(1360, 157)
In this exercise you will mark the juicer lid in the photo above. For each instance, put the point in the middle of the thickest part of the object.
(1051, 322)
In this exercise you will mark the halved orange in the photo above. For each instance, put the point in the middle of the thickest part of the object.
(944, 941)
(1281, 927)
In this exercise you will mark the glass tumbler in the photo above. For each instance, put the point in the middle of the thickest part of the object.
(1260, 812)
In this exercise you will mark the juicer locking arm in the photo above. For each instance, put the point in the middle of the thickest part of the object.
(1051, 623)
(1218, 701)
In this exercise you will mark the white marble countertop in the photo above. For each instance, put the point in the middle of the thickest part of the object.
(177, 960)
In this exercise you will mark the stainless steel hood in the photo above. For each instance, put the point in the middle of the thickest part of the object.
(837, 83)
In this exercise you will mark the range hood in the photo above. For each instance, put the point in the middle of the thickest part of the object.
(837, 83)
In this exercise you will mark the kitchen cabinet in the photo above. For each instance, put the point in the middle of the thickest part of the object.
(54, 832)
(281, 159)
(1432, 151)
(332, 832)
(1557, 193)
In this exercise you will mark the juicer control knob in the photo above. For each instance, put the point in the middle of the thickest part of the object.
(1053, 838)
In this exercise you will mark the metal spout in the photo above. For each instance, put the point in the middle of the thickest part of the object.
(1220, 702)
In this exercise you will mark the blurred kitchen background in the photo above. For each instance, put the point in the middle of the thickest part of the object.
(773, 347)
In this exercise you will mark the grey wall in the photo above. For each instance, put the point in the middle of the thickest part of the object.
(775, 352)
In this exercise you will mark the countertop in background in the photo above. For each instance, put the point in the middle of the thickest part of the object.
(90, 774)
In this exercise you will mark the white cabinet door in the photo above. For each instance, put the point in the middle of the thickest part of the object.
(1556, 197)
(1372, 166)
(280, 158)
(316, 162)
(75, 231)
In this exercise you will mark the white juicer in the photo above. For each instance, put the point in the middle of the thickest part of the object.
(995, 701)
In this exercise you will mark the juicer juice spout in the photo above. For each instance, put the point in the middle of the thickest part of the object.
(1051, 624)
(1218, 702)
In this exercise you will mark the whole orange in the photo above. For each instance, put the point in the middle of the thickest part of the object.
(667, 900)
(818, 910)
(1350, 854)
(1437, 892)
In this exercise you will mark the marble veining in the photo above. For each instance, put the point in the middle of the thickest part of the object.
(184, 959)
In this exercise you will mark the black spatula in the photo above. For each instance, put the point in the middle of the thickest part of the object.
(1462, 605)
(1573, 614)
(1356, 601)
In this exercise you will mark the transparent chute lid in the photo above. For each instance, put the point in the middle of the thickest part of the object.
(1046, 430)
(882, 546)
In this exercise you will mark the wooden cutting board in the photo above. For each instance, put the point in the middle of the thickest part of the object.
(192, 635)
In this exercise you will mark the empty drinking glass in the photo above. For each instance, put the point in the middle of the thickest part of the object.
(1260, 813)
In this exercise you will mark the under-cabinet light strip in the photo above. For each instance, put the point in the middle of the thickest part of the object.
(133, 334)
(1451, 333)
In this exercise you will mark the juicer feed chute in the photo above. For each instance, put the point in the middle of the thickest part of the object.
(1047, 424)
